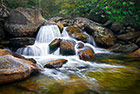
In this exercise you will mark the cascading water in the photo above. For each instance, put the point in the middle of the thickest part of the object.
(40, 52)
(103, 76)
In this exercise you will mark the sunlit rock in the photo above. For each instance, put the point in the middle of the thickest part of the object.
(67, 47)
(80, 36)
(134, 54)
(55, 63)
(72, 29)
(86, 54)
(13, 69)
(61, 26)
(103, 37)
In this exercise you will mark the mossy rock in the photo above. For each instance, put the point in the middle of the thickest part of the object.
(67, 47)
(54, 45)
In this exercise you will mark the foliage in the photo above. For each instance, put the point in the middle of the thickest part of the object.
(47, 7)
(120, 11)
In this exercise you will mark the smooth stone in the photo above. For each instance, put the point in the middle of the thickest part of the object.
(55, 63)
(87, 54)
(67, 47)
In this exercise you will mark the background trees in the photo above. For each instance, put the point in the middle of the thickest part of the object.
(120, 11)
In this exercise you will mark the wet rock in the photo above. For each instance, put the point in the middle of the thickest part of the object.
(54, 45)
(5, 52)
(80, 36)
(80, 45)
(60, 26)
(13, 69)
(21, 41)
(55, 64)
(128, 36)
(67, 47)
(124, 48)
(72, 29)
(86, 54)
(23, 22)
(103, 37)
(116, 27)
(134, 54)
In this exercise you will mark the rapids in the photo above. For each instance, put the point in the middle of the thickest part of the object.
(106, 75)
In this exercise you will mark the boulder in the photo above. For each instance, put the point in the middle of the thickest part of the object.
(13, 69)
(116, 27)
(67, 47)
(128, 36)
(135, 53)
(55, 63)
(80, 36)
(7, 52)
(129, 48)
(54, 45)
(21, 41)
(23, 22)
(60, 26)
(65, 22)
(103, 37)
(87, 54)
(72, 29)
(83, 22)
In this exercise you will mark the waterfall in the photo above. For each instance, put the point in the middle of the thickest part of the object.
(46, 35)
(40, 51)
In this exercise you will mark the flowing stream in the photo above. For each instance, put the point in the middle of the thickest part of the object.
(108, 74)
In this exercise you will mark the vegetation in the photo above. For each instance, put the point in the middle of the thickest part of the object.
(120, 11)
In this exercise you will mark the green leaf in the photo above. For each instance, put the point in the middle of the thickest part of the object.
(124, 3)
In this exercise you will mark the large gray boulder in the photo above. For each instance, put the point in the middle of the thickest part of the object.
(12, 69)
(23, 22)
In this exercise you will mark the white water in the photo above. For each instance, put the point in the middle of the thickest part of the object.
(40, 52)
